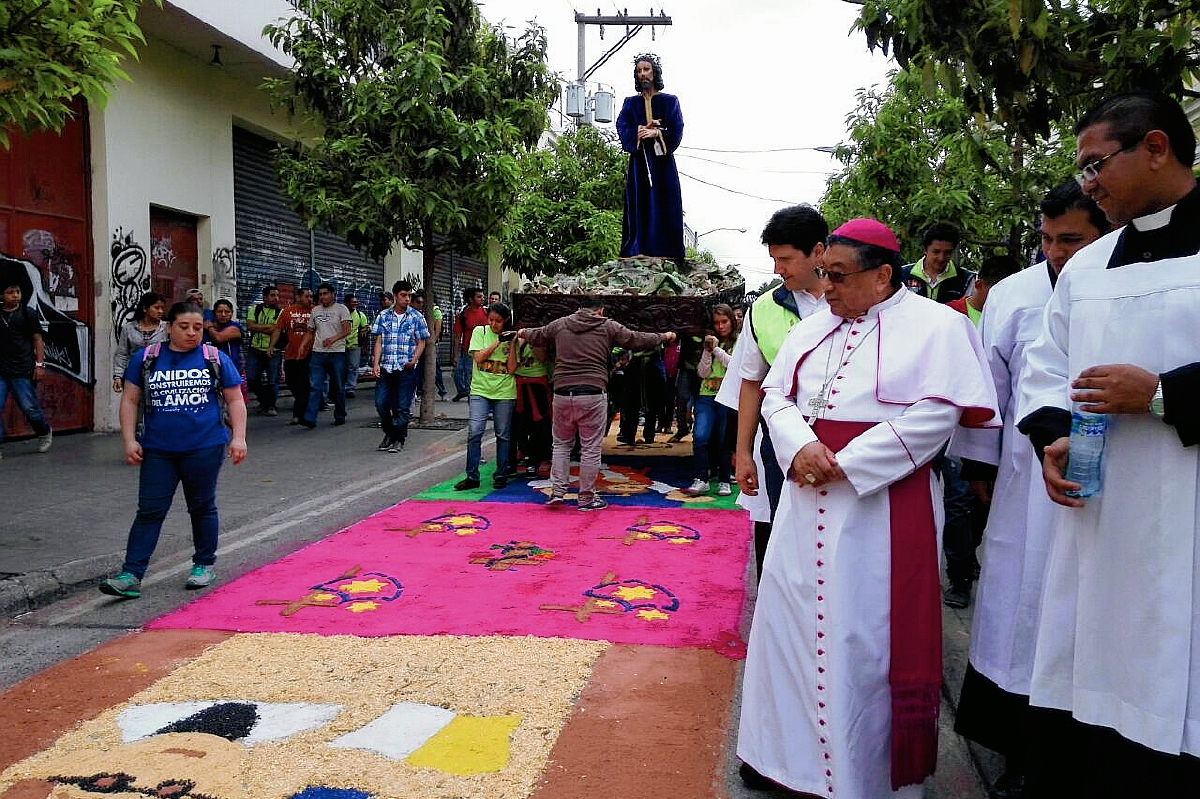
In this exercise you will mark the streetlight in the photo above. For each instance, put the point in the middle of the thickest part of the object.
(714, 230)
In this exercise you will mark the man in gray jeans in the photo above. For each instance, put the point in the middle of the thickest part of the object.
(582, 344)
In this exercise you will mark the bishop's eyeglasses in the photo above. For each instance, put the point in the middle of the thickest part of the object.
(838, 277)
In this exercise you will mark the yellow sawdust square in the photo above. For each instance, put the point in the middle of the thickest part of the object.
(533, 680)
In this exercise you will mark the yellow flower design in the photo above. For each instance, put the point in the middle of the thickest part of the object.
(632, 592)
(363, 586)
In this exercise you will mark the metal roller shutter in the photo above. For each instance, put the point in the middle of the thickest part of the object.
(273, 244)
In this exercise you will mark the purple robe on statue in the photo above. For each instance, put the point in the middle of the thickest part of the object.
(653, 223)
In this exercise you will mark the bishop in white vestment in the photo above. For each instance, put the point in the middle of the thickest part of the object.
(842, 681)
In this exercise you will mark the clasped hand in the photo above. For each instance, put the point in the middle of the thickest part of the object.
(650, 131)
(815, 465)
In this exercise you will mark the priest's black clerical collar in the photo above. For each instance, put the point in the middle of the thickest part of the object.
(1177, 239)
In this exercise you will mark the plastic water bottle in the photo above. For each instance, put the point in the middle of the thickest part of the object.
(1087, 450)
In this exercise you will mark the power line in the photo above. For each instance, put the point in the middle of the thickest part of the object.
(774, 150)
(735, 191)
(750, 169)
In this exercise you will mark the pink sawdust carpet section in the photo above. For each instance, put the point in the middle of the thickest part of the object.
(630, 575)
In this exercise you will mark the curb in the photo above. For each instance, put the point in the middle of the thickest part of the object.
(25, 592)
(22, 593)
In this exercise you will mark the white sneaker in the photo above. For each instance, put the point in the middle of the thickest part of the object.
(724, 489)
(45, 441)
(698, 486)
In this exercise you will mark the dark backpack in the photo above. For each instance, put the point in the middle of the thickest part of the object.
(212, 359)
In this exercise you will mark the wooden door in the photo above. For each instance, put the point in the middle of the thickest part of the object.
(173, 254)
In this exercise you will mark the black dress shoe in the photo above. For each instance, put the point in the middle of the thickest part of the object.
(752, 779)
(499, 483)
(466, 484)
(957, 594)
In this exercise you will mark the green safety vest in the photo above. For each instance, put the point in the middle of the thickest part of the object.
(771, 322)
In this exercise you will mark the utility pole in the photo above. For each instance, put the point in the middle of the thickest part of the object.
(633, 25)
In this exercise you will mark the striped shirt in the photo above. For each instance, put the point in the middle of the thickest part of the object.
(400, 334)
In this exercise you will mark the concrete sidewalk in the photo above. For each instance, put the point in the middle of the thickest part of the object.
(68, 511)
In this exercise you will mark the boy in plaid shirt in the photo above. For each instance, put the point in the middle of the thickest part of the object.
(400, 334)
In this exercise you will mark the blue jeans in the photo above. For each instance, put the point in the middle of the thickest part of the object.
(324, 366)
(393, 401)
(502, 411)
(437, 374)
(462, 373)
(161, 472)
(262, 373)
(25, 395)
(959, 538)
(708, 440)
(353, 361)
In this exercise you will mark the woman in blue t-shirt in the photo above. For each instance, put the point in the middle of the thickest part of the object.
(184, 440)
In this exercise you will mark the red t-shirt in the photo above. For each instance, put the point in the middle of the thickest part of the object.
(474, 317)
(294, 320)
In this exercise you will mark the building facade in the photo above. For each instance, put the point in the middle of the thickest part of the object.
(168, 187)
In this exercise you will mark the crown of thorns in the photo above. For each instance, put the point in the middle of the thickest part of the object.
(651, 57)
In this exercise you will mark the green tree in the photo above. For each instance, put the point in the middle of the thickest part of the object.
(949, 167)
(568, 216)
(53, 52)
(1028, 64)
(423, 110)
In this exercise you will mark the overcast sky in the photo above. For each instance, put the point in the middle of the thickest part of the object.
(750, 75)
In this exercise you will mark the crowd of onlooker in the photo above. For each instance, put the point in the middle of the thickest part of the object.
(318, 350)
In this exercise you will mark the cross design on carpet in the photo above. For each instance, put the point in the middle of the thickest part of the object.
(507, 557)
(613, 597)
(355, 592)
(645, 530)
(448, 522)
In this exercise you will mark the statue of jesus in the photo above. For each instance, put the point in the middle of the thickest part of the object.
(651, 127)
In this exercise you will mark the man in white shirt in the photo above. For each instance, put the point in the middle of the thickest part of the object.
(795, 239)
(328, 328)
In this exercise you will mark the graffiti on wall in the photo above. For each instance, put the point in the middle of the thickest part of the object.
(162, 254)
(225, 274)
(58, 265)
(65, 341)
(366, 291)
(130, 278)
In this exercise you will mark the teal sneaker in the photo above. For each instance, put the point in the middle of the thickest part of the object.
(201, 577)
(123, 585)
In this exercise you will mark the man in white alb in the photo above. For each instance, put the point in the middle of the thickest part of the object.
(994, 704)
(842, 683)
(1115, 694)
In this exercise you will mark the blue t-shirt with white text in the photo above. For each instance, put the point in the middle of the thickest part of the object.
(182, 409)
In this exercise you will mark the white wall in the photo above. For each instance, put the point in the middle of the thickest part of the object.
(165, 139)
